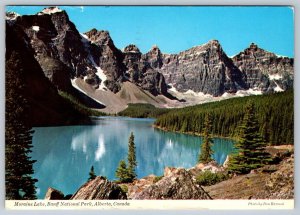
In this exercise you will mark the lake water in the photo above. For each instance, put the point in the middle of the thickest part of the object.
(65, 154)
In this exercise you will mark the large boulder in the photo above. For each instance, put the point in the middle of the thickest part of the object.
(176, 184)
(99, 188)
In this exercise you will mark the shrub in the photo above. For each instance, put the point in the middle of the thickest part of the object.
(157, 178)
(208, 178)
(124, 188)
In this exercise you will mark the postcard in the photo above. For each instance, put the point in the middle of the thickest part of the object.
(108, 107)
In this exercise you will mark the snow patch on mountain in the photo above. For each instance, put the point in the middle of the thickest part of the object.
(248, 92)
(36, 28)
(50, 10)
(11, 16)
(278, 88)
(275, 77)
(102, 76)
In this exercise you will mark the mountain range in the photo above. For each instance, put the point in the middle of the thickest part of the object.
(91, 68)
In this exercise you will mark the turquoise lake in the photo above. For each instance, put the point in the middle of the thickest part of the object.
(65, 154)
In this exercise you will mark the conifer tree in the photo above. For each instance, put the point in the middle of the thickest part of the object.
(19, 183)
(122, 172)
(206, 151)
(132, 163)
(92, 174)
(250, 147)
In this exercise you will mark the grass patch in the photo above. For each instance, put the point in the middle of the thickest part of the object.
(124, 188)
(157, 178)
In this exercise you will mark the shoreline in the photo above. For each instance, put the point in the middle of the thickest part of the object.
(192, 133)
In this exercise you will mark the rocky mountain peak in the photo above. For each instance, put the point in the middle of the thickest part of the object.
(154, 51)
(265, 70)
(253, 46)
(11, 15)
(131, 48)
(214, 42)
(100, 37)
(213, 45)
(255, 51)
(50, 10)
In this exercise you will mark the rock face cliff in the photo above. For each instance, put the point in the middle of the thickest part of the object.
(140, 72)
(265, 70)
(64, 54)
(46, 106)
(203, 68)
(209, 70)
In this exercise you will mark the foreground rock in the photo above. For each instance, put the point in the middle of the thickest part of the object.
(280, 184)
(139, 185)
(200, 167)
(268, 182)
(99, 188)
(176, 184)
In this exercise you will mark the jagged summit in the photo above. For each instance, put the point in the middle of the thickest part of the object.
(11, 15)
(265, 70)
(50, 10)
(253, 46)
(212, 45)
(154, 50)
(132, 49)
(255, 51)
(101, 37)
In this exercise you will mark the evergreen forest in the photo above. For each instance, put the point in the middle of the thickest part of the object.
(274, 112)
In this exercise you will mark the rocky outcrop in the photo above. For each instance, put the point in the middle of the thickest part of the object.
(154, 58)
(280, 184)
(140, 72)
(99, 188)
(106, 56)
(275, 181)
(226, 162)
(265, 70)
(203, 68)
(209, 70)
(176, 184)
(139, 185)
(53, 194)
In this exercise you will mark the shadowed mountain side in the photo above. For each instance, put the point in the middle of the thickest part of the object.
(46, 106)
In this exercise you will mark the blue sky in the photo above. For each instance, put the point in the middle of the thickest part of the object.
(177, 28)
